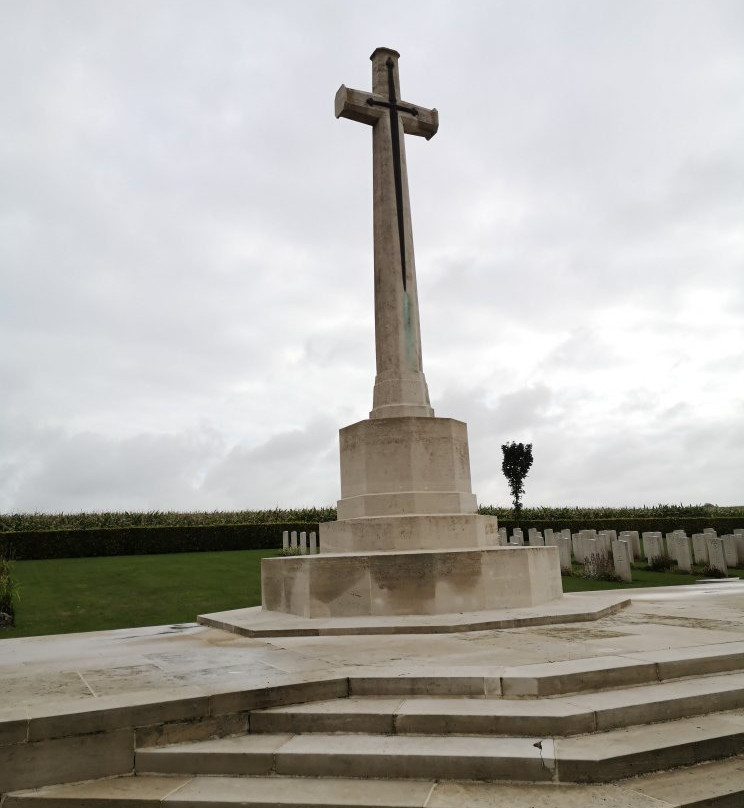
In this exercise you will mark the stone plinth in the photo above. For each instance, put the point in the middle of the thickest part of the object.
(414, 532)
(395, 466)
(413, 582)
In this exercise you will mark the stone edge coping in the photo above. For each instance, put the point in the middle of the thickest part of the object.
(150, 708)
(667, 789)
(256, 623)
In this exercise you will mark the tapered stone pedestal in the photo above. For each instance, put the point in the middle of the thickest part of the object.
(408, 539)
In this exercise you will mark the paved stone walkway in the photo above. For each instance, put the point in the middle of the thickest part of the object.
(39, 672)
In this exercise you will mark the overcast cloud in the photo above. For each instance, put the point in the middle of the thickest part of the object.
(186, 256)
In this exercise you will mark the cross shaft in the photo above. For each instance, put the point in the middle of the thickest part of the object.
(400, 386)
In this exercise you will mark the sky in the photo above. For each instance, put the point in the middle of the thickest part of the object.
(186, 310)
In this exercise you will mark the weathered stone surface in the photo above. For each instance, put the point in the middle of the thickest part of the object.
(404, 465)
(64, 760)
(716, 555)
(415, 532)
(621, 557)
(419, 582)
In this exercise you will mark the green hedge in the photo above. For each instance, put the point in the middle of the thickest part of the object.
(37, 544)
(690, 524)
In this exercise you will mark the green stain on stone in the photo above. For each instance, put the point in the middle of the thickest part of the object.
(408, 332)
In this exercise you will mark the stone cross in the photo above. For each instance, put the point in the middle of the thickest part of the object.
(400, 386)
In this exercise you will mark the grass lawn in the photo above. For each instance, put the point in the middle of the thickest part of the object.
(64, 595)
(59, 596)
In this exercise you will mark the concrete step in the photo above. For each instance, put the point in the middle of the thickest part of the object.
(719, 784)
(602, 673)
(595, 757)
(383, 756)
(622, 753)
(558, 678)
(560, 716)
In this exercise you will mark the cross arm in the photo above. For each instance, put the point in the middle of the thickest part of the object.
(353, 104)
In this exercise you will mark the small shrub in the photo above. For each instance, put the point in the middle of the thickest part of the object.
(661, 563)
(600, 567)
(713, 572)
(9, 593)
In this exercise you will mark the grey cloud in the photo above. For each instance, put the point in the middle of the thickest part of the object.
(185, 236)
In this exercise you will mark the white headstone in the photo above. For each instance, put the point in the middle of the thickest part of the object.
(303, 543)
(503, 538)
(716, 557)
(536, 538)
(621, 557)
(285, 540)
(699, 548)
(577, 547)
(633, 539)
(739, 541)
(729, 550)
(710, 531)
(653, 545)
(550, 538)
(517, 536)
(604, 542)
(564, 552)
(313, 542)
(683, 552)
(293, 539)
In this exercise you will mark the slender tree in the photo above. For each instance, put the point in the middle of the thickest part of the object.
(517, 462)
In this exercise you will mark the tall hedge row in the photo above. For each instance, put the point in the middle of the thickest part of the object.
(37, 544)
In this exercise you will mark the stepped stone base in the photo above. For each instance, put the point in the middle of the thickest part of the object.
(408, 583)
(415, 532)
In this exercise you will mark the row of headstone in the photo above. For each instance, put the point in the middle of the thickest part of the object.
(300, 544)
(627, 546)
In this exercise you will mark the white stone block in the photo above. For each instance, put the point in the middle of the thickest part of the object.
(577, 547)
(303, 543)
(604, 543)
(536, 538)
(633, 539)
(293, 540)
(413, 532)
(683, 552)
(313, 542)
(716, 557)
(423, 582)
(503, 538)
(699, 548)
(739, 540)
(564, 552)
(621, 557)
(285, 540)
(653, 545)
(729, 550)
